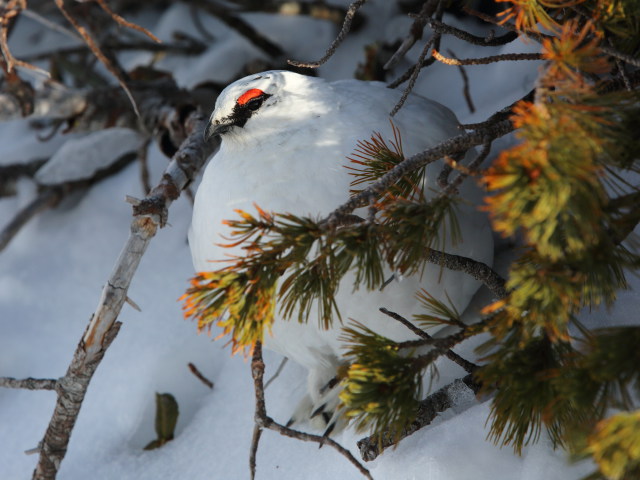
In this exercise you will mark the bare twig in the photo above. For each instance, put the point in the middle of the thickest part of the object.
(29, 383)
(415, 33)
(490, 41)
(283, 362)
(88, 38)
(414, 76)
(437, 402)
(499, 116)
(36, 17)
(10, 12)
(264, 421)
(346, 27)
(470, 169)
(512, 57)
(103, 326)
(121, 21)
(468, 366)
(465, 81)
(198, 374)
(619, 55)
(242, 27)
(144, 167)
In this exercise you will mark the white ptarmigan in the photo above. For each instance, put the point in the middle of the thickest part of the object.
(285, 142)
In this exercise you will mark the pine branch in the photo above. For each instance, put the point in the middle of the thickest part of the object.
(264, 421)
(439, 401)
(458, 143)
(468, 366)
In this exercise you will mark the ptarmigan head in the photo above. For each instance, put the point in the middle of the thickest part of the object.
(265, 103)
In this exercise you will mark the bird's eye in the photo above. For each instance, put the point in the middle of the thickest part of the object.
(255, 103)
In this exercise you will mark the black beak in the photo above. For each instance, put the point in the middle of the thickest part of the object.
(216, 129)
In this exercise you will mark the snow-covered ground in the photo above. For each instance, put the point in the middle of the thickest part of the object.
(51, 277)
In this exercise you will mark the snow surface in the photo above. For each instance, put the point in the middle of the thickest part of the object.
(52, 273)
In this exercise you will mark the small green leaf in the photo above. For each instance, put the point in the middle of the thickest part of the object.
(166, 419)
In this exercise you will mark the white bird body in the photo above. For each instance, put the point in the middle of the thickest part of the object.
(289, 156)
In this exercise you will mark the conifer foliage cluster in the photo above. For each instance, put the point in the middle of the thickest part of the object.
(563, 191)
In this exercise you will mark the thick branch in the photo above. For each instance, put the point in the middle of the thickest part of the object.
(103, 326)
(478, 270)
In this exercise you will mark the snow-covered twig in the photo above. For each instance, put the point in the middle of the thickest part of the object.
(437, 402)
(103, 325)
(264, 421)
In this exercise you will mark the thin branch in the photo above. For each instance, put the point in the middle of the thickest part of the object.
(190, 47)
(489, 41)
(121, 21)
(277, 372)
(245, 29)
(414, 76)
(469, 169)
(264, 421)
(437, 37)
(198, 374)
(505, 57)
(439, 401)
(10, 12)
(415, 33)
(346, 27)
(465, 84)
(46, 199)
(88, 38)
(468, 366)
(619, 55)
(36, 17)
(500, 115)
(29, 383)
